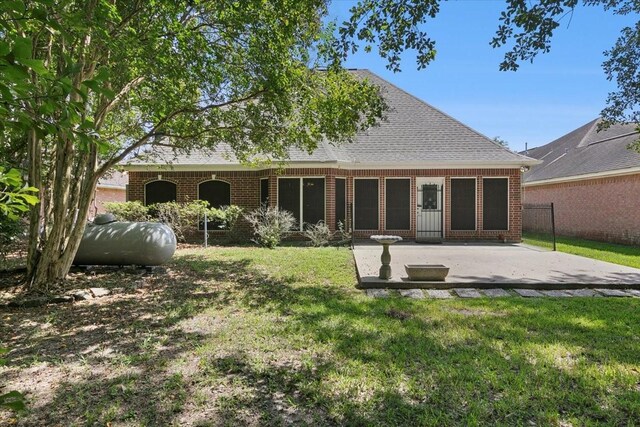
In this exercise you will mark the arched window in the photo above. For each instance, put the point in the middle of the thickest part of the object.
(217, 193)
(159, 192)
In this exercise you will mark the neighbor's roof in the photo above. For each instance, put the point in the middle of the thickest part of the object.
(115, 180)
(414, 134)
(585, 152)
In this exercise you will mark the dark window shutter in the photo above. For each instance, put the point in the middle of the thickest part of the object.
(495, 203)
(217, 193)
(312, 200)
(366, 204)
(264, 191)
(341, 202)
(159, 192)
(397, 206)
(463, 204)
(289, 196)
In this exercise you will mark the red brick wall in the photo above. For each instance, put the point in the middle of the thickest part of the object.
(106, 195)
(245, 192)
(606, 209)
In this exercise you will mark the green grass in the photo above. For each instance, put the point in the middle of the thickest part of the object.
(609, 252)
(248, 336)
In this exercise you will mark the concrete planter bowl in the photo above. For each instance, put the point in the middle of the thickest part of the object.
(426, 272)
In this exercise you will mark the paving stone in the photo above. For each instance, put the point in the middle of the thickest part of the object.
(412, 293)
(99, 292)
(467, 293)
(439, 293)
(496, 293)
(378, 293)
(634, 292)
(555, 293)
(528, 293)
(613, 292)
(583, 293)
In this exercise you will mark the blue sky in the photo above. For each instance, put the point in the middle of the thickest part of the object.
(559, 92)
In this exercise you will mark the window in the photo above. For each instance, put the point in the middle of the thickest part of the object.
(341, 202)
(366, 204)
(430, 196)
(397, 204)
(159, 192)
(264, 191)
(495, 203)
(304, 197)
(463, 204)
(217, 193)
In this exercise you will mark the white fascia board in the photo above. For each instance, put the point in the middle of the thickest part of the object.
(336, 165)
(612, 173)
(112, 187)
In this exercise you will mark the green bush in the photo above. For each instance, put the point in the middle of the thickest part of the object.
(269, 225)
(128, 211)
(11, 233)
(181, 217)
(226, 218)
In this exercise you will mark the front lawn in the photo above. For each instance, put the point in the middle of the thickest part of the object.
(609, 252)
(248, 336)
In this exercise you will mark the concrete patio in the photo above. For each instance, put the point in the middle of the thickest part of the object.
(491, 265)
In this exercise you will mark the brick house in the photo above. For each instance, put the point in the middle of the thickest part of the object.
(420, 174)
(111, 188)
(593, 179)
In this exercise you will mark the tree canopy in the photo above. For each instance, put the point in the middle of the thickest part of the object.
(86, 83)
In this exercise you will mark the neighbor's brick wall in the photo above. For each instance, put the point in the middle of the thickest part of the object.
(605, 209)
(245, 192)
(103, 195)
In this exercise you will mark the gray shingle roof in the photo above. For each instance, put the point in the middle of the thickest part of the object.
(585, 151)
(414, 132)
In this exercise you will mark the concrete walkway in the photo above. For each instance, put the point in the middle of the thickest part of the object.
(492, 265)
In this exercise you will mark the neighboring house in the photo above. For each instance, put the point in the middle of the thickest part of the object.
(593, 179)
(111, 188)
(420, 174)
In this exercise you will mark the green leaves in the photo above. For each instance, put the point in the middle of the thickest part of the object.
(15, 198)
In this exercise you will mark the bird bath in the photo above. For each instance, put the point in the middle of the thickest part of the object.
(385, 258)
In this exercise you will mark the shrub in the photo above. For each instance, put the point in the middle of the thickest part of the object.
(318, 234)
(269, 225)
(227, 218)
(128, 211)
(342, 235)
(181, 217)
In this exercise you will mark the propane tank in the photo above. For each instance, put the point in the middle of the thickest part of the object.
(109, 242)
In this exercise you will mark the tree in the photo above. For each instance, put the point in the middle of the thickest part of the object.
(501, 141)
(85, 84)
(525, 28)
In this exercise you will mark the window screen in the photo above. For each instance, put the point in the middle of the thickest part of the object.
(366, 204)
(264, 191)
(159, 192)
(341, 202)
(312, 200)
(217, 193)
(495, 203)
(463, 204)
(289, 196)
(397, 207)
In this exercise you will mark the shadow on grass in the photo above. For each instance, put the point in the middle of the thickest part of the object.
(320, 354)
